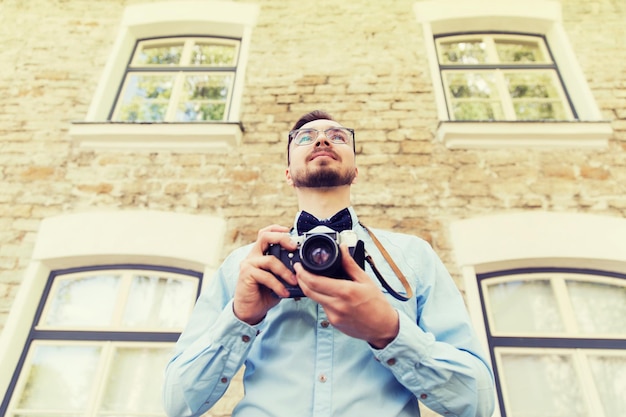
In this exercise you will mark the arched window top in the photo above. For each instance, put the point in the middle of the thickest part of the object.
(506, 241)
(555, 303)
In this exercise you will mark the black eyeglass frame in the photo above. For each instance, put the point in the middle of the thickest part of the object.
(293, 133)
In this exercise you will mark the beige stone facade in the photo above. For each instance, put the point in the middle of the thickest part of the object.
(363, 61)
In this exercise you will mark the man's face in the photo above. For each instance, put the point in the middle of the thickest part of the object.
(321, 163)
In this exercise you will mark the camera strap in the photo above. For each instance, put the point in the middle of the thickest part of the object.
(392, 264)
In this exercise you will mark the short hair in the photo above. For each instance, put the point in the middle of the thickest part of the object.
(309, 117)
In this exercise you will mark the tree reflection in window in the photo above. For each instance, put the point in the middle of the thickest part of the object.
(178, 80)
(496, 77)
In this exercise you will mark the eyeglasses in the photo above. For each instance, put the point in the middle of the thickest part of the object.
(339, 135)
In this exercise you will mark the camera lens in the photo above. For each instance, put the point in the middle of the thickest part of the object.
(319, 254)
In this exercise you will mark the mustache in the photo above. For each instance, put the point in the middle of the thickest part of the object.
(324, 150)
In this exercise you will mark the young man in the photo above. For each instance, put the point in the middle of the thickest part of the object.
(347, 347)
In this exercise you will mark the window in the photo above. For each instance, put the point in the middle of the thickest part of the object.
(178, 80)
(547, 295)
(562, 329)
(100, 342)
(505, 75)
(174, 79)
(500, 77)
(99, 308)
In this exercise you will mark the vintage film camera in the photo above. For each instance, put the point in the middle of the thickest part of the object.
(319, 253)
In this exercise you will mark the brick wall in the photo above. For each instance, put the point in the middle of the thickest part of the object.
(360, 60)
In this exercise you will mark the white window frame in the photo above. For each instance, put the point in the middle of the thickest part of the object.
(533, 239)
(165, 19)
(107, 238)
(534, 17)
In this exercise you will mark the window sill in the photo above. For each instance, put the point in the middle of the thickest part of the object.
(498, 135)
(185, 137)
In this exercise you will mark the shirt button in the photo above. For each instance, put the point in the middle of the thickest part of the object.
(391, 361)
(423, 396)
(325, 324)
(323, 378)
(245, 338)
(224, 380)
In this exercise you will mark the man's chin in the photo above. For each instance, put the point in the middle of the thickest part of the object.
(324, 179)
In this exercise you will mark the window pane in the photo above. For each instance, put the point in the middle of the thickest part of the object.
(471, 84)
(541, 385)
(599, 308)
(535, 95)
(528, 110)
(217, 55)
(609, 374)
(135, 380)
(59, 378)
(198, 111)
(146, 97)
(477, 110)
(517, 51)
(87, 301)
(159, 302)
(204, 97)
(466, 52)
(531, 84)
(473, 95)
(523, 307)
(166, 53)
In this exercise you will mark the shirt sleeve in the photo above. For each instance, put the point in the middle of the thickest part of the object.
(437, 356)
(208, 354)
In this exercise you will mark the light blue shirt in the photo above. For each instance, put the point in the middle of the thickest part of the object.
(297, 364)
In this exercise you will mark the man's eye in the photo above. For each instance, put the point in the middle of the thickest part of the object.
(337, 136)
(305, 138)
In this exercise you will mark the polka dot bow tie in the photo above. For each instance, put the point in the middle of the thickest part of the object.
(339, 222)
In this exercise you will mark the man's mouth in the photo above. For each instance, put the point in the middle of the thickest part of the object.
(319, 154)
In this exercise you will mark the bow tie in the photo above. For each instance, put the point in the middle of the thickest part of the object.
(339, 222)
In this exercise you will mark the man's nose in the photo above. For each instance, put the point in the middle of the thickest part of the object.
(321, 138)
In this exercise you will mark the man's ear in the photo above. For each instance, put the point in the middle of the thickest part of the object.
(288, 176)
(356, 175)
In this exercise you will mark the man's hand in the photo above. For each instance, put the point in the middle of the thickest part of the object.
(357, 308)
(258, 289)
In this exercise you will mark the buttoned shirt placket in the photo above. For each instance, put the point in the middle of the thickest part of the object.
(322, 393)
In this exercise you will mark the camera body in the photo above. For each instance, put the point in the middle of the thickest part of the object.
(319, 253)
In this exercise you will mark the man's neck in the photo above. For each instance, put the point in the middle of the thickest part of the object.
(323, 202)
